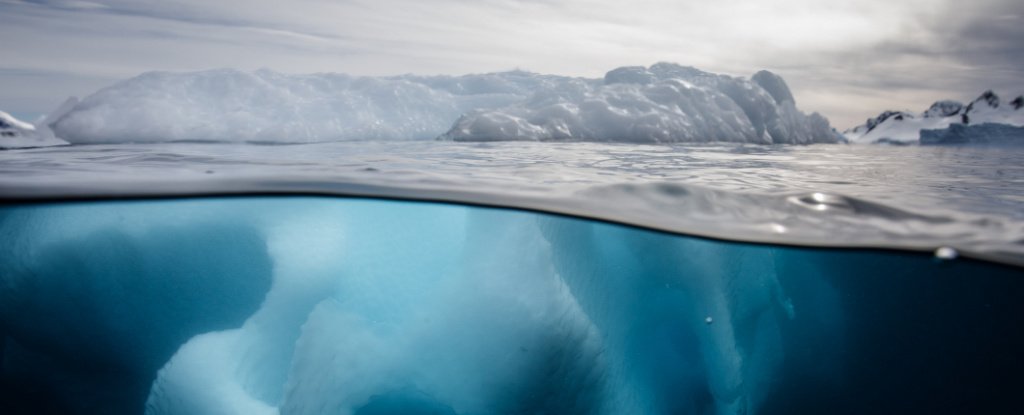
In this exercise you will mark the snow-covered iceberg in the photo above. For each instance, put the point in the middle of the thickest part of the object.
(265, 106)
(902, 127)
(663, 103)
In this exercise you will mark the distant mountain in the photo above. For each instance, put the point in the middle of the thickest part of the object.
(906, 127)
(13, 127)
(15, 133)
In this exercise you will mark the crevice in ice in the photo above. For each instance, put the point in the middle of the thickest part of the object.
(120, 299)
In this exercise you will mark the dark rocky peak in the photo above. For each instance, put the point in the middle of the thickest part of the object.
(895, 115)
(1018, 102)
(988, 99)
(943, 109)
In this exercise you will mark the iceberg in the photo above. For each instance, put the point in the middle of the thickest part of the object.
(663, 103)
(265, 106)
(947, 118)
(987, 133)
(317, 305)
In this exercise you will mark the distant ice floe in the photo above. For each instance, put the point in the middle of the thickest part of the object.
(987, 119)
(987, 133)
(15, 133)
(664, 103)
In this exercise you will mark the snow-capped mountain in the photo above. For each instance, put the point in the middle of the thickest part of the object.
(15, 133)
(906, 127)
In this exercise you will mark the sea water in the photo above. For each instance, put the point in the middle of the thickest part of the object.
(332, 305)
(444, 278)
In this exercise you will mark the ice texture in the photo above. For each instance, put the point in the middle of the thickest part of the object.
(265, 106)
(663, 103)
(987, 133)
(944, 118)
(307, 305)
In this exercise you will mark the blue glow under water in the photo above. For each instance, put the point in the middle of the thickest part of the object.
(316, 305)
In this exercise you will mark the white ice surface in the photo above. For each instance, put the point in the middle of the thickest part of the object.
(663, 103)
(265, 106)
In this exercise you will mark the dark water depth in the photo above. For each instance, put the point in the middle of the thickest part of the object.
(316, 305)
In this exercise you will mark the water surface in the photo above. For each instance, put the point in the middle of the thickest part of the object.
(922, 198)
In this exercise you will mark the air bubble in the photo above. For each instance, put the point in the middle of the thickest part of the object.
(946, 253)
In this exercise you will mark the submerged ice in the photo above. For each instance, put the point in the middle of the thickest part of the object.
(370, 307)
(340, 306)
(660, 104)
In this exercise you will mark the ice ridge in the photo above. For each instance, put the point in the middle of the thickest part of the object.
(663, 103)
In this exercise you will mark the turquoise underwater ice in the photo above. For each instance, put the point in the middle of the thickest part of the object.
(320, 305)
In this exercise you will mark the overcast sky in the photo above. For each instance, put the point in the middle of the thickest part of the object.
(846, 59)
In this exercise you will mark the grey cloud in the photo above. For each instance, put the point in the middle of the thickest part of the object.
(886, 55)
(993, 41)
(163, 10)
(955, 54)
(21, 87)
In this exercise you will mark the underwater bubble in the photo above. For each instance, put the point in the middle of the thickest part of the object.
(945, 253)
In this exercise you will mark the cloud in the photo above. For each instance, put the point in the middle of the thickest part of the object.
(844, 58)
(22, 87)
(955, 53)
